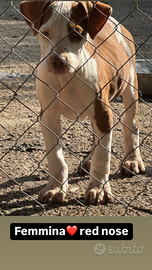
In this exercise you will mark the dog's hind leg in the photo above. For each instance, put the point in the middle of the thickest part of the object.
(132, 159)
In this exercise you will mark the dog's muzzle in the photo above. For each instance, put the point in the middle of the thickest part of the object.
(59, 64)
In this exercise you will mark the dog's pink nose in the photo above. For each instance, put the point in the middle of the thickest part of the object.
(57, 62)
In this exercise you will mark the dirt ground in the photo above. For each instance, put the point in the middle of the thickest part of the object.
(23, 164)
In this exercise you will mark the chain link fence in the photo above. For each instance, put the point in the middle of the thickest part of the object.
(23, 159)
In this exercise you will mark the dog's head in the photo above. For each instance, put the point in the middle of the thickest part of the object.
(63, 28)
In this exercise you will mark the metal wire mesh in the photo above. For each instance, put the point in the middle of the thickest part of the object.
(23, 160)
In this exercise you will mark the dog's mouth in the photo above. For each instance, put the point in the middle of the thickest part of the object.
(57, 72)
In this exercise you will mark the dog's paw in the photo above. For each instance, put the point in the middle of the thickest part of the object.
(98, 194)
(134, 166)
(56, 195)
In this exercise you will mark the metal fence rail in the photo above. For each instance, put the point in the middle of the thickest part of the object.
(23, 160)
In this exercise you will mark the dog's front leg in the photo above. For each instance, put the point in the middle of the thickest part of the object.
(58, 170)
(98, 190)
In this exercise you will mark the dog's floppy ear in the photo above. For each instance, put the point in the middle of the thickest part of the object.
(97, 14)
(33, 10)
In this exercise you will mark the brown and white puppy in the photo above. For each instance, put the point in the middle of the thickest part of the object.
(88, 59)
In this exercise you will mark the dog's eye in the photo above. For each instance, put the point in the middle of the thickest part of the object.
(45, 33)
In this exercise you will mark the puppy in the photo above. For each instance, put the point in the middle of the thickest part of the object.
(87, 60)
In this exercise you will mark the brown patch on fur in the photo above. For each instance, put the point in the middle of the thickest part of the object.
(46, 16)
(77, 16)
(103, 116)
(115, 88)
(78, 23)
(33, 11)
(97, 14)
(115, 85)
(74, 35)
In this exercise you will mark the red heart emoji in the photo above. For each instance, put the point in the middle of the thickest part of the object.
(71, 230)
